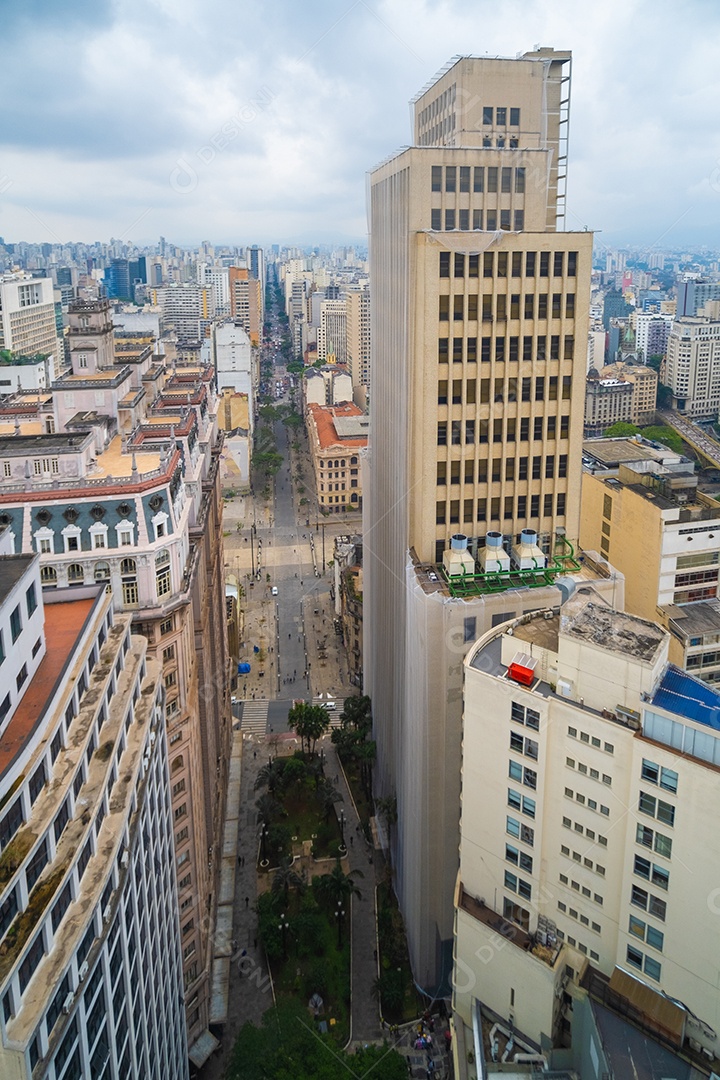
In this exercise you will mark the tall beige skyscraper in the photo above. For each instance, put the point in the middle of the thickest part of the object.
(479, 330)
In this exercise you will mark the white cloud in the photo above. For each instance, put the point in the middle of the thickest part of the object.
(296, 103)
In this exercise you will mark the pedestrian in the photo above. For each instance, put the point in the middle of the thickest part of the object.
(351, 840)
(254, 753)
(247, 901)
(239, 861)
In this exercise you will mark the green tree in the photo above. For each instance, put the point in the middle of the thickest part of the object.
(271, 776)
(267, 463)
(665, 435)
(269, 809)
(337, 887)
(293, 421)
(327, 795)
(295, 773)
(621, 430)
(352, 738)
(285, 879)
(310, 722)
(288, 1046)
(389, 988)
(387, 808)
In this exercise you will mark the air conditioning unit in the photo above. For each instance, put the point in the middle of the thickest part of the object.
(125, 859)
(153, 737)
(84, 968)
(67, 1003)
(106, 913)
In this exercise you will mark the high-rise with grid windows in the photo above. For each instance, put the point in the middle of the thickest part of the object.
(479, 328)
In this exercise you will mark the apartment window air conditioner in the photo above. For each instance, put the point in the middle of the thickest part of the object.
(125, 859)
(106, 913)
(84, 968)
(67, 1003)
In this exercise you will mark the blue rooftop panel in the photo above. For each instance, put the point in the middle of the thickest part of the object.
(687, 696)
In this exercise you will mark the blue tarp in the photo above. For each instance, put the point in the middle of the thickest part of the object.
(243, 669)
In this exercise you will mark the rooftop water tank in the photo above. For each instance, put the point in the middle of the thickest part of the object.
(493, 557)
(526, 554)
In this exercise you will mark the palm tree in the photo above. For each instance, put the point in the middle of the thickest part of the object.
(269, 808)
(270, 775)
(286, 878)
(337, 887)
(328, 795)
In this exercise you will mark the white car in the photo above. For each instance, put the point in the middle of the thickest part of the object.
(274, 590)
(329, 706)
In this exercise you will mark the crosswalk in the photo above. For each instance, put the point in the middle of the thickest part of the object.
(334, 716)
(254, 717)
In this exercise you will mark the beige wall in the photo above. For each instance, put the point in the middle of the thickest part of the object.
(634, 541)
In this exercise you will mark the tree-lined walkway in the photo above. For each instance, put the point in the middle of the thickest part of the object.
(361, 857)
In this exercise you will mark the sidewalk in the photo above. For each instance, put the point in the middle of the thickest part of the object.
(365, 1013)
(250, 993)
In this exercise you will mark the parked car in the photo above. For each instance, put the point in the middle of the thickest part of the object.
(274, 590)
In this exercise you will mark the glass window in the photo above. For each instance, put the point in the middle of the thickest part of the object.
(652, 968)
(15, 624)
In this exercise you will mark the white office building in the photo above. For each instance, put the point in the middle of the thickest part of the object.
(589, 847)
(91, 981)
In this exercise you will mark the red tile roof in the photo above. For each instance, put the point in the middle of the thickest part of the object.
(64, 623)
(324, 416)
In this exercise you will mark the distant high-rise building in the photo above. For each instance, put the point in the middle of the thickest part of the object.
(479, 328)
(118, 282)
(332, 332)
(692, 367)
(651, 333)
(255, 257)
(357, 301)
(28, 323)
(246, 302)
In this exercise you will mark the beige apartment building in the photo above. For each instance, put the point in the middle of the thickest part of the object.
(692, 366)
(644, 382)
(588, 847)
(479, 339)
(651, 522)
(337, 435)
(246, 302)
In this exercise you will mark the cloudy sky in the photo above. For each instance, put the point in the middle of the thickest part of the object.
(256, 120)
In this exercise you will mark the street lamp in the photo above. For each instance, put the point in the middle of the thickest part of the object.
(283, 927)
(340, 915)
(263, 841)
(342, 828)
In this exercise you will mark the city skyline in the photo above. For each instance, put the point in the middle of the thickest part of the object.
(197, 124)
